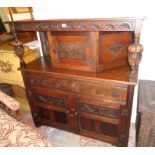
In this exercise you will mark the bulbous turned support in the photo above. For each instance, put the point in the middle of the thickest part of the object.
(134, 56)
(19, 51)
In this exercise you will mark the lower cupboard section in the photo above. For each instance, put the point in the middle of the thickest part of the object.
(99, 129)
(92, 117)
(82, 124)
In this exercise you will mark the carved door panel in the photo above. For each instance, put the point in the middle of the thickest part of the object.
(114, 46)
(51, 106)
(98, 120)
(56, 108)
(71, 50)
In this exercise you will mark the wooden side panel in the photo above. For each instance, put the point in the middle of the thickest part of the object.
(113, 48)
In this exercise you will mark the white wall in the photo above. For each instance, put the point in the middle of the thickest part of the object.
(111, 8)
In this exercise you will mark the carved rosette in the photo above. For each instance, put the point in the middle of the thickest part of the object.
(19, 50)
(134, 56)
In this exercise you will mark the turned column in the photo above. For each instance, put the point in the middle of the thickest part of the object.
(134, 56)
(135, 51)
(17, 44)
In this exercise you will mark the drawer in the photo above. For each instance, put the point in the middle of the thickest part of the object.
(106, 91)
(66, 85)
(47, 82)
(111, 111)
(50, 99)
(111, 92)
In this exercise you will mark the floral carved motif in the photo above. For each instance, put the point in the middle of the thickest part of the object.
(124, 26)
(5, 67)
(109, 27)
(76, 26)
(115, 48)
(51, 100)
(104, 111)
(71, 50)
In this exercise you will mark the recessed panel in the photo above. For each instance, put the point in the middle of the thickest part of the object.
(44, 113)
(109, 129)
(87, 124)
(71, 50)
(60, 117)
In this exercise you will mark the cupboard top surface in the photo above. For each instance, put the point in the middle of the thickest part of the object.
(86, 19)
(118, 75)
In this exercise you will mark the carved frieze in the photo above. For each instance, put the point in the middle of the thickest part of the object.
(34, 80)
(48, 83)
(80, 87)
(99, 110)
(125, 26)
(59, 101)
(82, 26)
(71, 50)
(95, 26)
(109, 27)
(103, 25)
(110, 92)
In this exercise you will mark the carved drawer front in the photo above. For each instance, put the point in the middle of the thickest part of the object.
(61, 84)
(99, 110)
(33, 80)
(48, 82)
(51, 100)
(111, 92)
(80, 88)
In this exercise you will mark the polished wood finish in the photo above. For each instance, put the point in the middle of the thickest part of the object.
(83, 82)
(27, 36)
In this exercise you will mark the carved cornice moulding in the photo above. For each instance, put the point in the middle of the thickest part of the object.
(107, 24)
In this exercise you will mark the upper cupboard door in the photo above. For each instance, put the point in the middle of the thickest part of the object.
(71, 50)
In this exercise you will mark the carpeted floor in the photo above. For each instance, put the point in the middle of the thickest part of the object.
(60, 138)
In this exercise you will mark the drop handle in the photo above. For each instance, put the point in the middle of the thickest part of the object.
(71, 112)
(76, 113)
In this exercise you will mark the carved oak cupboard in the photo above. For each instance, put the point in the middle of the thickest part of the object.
(84, 82)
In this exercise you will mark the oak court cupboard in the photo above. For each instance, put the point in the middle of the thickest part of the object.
(84, 82)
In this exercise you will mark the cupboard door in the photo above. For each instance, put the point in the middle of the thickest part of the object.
(98, 121)
(71, 50)
(56, 108)
(52, 108)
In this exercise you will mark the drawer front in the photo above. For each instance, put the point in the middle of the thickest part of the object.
(99, 110)
(111, 92)
(81, 88)
(51, 100)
